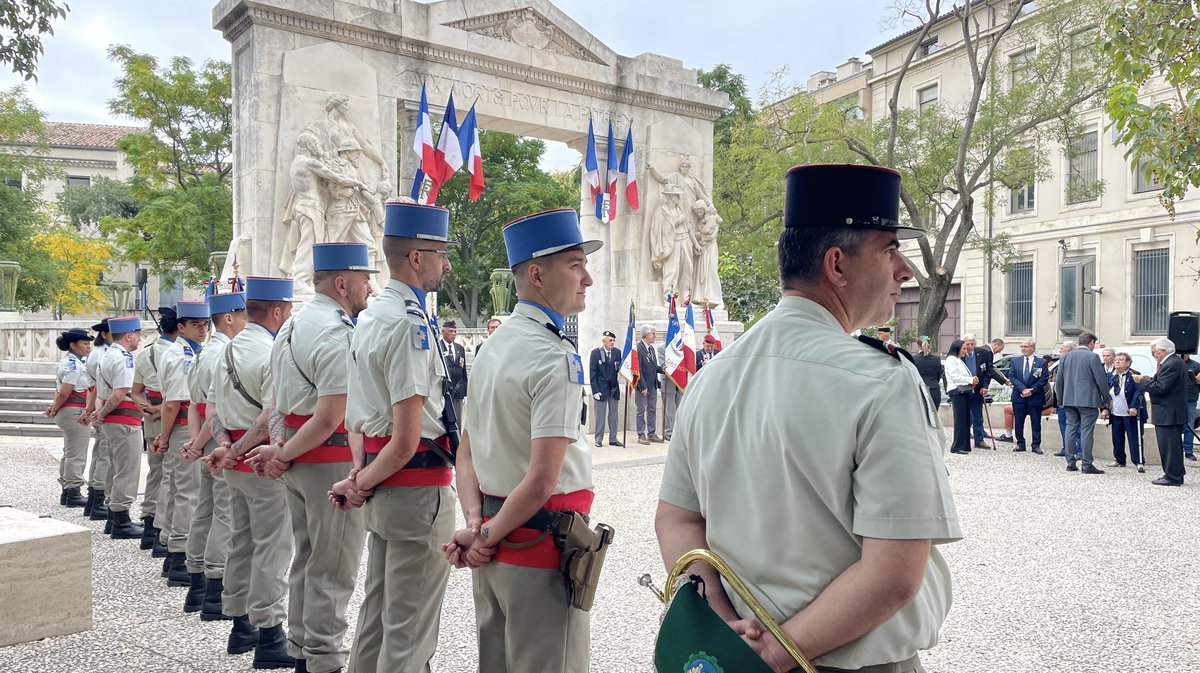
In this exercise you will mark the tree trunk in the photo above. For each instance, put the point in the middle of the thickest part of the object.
(932, 309)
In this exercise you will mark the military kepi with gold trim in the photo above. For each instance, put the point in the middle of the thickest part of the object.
(342, 257)
(260, 288)
(191, 310)
(226, 303)
(845, 196)
(124, 325)
(543, 234)
(413, 220)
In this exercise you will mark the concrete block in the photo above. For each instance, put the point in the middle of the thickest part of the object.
(45, 577)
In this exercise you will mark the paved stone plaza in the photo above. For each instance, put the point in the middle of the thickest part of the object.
(1058, 572)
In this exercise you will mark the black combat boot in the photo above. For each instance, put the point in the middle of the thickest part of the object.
(91, 500)
(194, 599)
(158, 549)
(99, 510)
(149, 532)
(271, 651)
(166, 566)
(302, 666)
(123, 528)
(242, 637)
(177, 573)
(71, 497)
(211, 610)
(108, 523)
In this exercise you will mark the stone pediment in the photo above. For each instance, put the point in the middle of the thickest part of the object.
(527, 27)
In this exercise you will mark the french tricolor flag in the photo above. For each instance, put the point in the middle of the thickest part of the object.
(629, 360)
(610, 188)
(448, 156)
(423, 148)
(468, 138)
(591, 170)
(628, 168)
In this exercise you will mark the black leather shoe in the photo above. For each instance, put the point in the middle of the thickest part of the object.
(242, 637)
(210, 610)
(1189, 456)
(960, 450)
(99, 509)
(1091, 469)
(1163, 481)
(1061, 454)
(149, 533)
(158, 549)
(71, 497)
(1037, 450)
(271, 651)
(599, 443)
(615, 442)
(1071, 467)
(980, 445)
(194, 599)
(123, 528)
(177, 574)
(1020, 448)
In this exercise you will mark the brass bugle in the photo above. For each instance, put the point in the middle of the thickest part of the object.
(740, 588)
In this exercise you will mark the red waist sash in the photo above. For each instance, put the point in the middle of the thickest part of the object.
(544, 554)
(241, 464)
(125, 418)
(324, 453)
(432, 476)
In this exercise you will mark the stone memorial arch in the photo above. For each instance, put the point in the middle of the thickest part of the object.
(320, 88)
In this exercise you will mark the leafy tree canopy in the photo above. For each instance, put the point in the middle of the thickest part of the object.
(722, 78)
(22, 24)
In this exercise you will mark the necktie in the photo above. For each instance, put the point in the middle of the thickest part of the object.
(1028, 367)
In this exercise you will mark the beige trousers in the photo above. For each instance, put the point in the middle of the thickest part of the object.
(406, 579)
(75, 447)
(208, 536)
(526, 623)
(154, 477)
(181, 489)
(125, 450)
(329, 546)
(101, 462)
(260, 546)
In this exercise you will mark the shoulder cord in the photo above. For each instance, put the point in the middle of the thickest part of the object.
(233, 376)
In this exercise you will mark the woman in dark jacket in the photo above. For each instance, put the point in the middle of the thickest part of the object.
(929, 366)
(959, 382)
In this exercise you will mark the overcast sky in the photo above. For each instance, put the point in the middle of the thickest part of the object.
(755, 37)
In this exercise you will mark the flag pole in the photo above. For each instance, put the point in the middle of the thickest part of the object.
(625, 426)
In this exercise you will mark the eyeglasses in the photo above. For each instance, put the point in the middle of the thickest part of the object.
(444, 253)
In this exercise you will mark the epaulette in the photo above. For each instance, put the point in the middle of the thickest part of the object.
(346, 319)
(413, 308)
(187, 350)
(889, 348)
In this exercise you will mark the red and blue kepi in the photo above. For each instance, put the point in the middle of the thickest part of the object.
(261, 288)
(413, 220)
(226, 303)
(191, 310)
(124, 325)
(342, 257)
(545, 233)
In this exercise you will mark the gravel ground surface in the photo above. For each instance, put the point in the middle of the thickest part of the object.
(1058, 572)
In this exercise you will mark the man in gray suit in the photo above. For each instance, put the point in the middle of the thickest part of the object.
(1082, 389)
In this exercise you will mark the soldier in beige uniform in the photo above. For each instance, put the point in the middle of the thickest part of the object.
(208, 537)
(147, 394)
(70, 402)
(121, 422)
(395, 399)
(845, 513)
(98, 472)
(261, 541)
(309, 362)
(181, 478)
(525, 454)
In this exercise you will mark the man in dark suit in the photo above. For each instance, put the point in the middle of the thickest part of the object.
(646, 395)
(1168, 409)
(707, 353)
(979, 363)
(1028, 377)
(606, 387)
(456, 365)
(1125, 411)
(1082, 389)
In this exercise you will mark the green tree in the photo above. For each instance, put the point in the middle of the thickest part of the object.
(85, 205)
(722, 78)
(22, 24)
(515, 187)
(1157, 40)
(182, 163)
(22, 216)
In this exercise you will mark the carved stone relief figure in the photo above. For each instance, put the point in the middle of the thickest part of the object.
(673, 243)
(707, 287)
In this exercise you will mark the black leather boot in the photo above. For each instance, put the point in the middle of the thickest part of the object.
(158, 549)
(99, 509)
(71, 497)
(166, 566)
(91, 500)
(302, 666)
(149, 533)
(177, 573)
(271, 651)
(210, 611)
(194, 599)
(108, 523)
(242, 637)
(123, 528)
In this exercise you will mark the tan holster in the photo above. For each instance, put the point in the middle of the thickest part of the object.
(583, 551)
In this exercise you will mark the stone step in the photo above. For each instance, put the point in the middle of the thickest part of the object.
(24, 406)
(29, 430)
(26, 393)
(26, 418)
(8, 380)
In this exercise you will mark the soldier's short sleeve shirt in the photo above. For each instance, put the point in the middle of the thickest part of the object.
(204, 370)
(392, 358)
(92, 366)
(527, 384)
(829, 440)
(116, 371)
(70, 372)
(251, 357)
(312, 344)
(173, 371)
